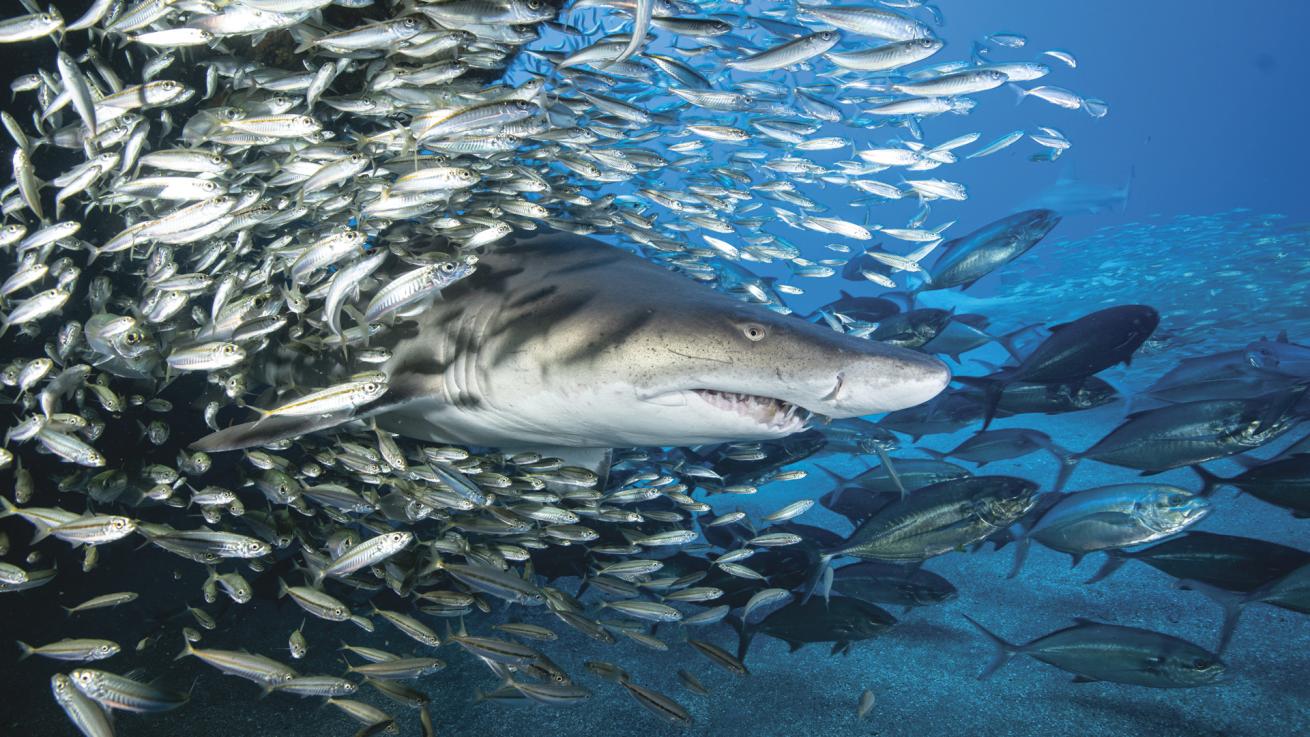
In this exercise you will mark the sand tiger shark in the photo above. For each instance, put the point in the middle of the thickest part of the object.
(558, 341)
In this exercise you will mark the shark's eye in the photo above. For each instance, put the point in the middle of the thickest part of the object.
(754, 331)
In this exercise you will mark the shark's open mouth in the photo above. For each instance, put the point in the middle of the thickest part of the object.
(775, 413)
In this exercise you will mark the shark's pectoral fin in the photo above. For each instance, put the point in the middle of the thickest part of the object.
(268, 430)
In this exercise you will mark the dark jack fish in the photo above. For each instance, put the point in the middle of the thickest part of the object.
(861, 497)
(888, 583)
(1283, 482)
(1157, 440)
(1290, 592)
(937, 519)
(860, 309)
(913, 329)
(1000, 445)
(946, 413)
(841, 620)
(1052, 399)
(1227, 562)
(967, 259)
(1074, 351)
(1093, 651)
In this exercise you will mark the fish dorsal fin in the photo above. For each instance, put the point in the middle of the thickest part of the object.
(1084, 621)
(1282, 337)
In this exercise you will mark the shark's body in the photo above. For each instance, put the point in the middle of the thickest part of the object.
(1070, 196)
(562, 341)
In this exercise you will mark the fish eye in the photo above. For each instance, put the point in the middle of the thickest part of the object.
(754, 332)
(47, 18)
(306, 120)
(117, 523)
(83, 677)
(533, 4)
(1202, 663)
(133, 338)
(447, 267)
(370, 387)
(338, 611)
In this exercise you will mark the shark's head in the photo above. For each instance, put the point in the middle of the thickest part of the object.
(702, 368)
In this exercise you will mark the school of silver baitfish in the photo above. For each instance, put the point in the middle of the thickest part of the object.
(197, 183)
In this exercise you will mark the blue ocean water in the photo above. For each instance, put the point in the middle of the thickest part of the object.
(1203, 135)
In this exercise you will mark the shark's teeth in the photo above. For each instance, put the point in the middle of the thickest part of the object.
(776, 414)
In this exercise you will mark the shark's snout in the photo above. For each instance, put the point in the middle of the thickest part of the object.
(886, 380)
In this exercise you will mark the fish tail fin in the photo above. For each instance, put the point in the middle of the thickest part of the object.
(25, 649)
(745, 634)
(937, 455)
(1004, 650)
(1021, 546)
(836, 494)
(186, 650)
(7, 508)
(992, 402)
(282, 589)
(886, 460)
(1246, 461)
(1232, 602)
(1009, 340)
(1128, 187)
(1209, 480)
(1019, 92)
(820, 580)
(1060, 453)
(1067, 465)
(1114, 559)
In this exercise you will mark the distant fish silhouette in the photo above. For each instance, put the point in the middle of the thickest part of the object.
(1070, 196)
